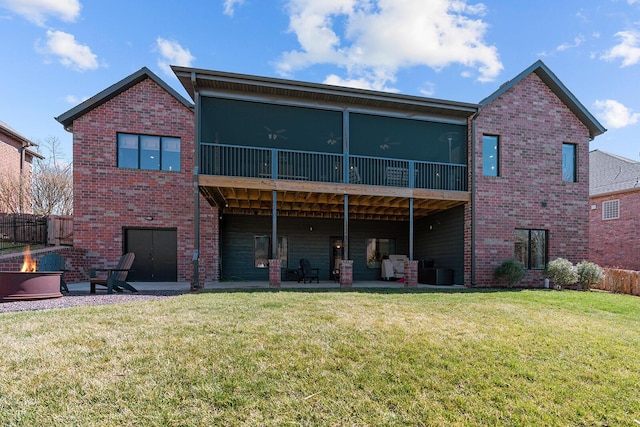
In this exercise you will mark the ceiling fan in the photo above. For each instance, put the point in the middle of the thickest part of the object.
(275, 134)
(332, 139)
(387, 143)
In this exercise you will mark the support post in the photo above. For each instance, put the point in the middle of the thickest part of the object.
(195, 260)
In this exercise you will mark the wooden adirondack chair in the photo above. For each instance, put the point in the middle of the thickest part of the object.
(306, 272)
(115, 278)
(54, 262)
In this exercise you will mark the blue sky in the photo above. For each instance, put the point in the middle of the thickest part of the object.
(56, 53)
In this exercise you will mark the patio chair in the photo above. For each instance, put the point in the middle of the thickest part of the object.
(115, 278)
(305, 272)
(54, 262)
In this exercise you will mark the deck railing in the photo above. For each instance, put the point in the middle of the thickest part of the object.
(272, 163)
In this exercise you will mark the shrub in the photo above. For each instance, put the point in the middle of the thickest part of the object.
(511, 270)
(561, 272)
(589, 274)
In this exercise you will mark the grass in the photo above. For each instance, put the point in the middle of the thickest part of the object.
(337, 358)
(19, 249)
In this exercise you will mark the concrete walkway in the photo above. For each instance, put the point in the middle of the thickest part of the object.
(185, 286)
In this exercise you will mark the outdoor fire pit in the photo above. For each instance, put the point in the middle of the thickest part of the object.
(28, 283)
(17, 285)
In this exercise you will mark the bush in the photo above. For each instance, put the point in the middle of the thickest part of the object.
(511, 270)
(589, 274)
(561, 272)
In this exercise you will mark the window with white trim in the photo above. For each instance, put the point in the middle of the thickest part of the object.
(611, 209)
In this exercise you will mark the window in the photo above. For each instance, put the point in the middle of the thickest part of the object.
(569, 163)
(377, 249)
(148, 152)
(611, 209)
(262, 251)
(531, 248)
(490, 155)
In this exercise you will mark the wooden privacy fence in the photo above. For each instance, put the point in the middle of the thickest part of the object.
(17, 230)
(60, 230)
(620, 281)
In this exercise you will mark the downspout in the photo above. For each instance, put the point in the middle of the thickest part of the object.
(195, 284)
(21, 178)
(473, 196)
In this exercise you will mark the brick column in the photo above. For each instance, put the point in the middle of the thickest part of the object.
(346, 273)
(410, 274)
(274, 273)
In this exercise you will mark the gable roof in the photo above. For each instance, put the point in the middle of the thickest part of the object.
(559, 89)
(26, 143)
(610, 173)
(13, 133)
(67, 118)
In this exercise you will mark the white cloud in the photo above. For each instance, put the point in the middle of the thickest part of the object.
(230, 5)
(628, 49)
(358, 83)
(614, 114)
(576, 42)
(172, 54)
(74, 100)
(69, 52)
(428, 89)
(373, 39)
(37, 11)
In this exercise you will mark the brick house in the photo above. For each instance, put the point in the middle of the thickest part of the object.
(535, 199)
(122, 207)
(259, 172)
(614, 219)
(16, 163)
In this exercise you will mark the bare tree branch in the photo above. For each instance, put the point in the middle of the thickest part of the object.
(52, 191)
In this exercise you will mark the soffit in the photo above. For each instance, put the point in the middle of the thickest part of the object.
(221, 83)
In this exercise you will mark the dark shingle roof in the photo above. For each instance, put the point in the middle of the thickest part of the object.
(67, 118)
(610, 173)
(5, 128)
(559, 89)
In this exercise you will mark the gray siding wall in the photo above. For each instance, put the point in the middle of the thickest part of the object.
(237, 239)
(440, 237)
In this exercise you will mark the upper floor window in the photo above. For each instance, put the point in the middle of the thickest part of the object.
(148, 152)
(569, 173)
(490, 150)
(611, 209)
(531, 248)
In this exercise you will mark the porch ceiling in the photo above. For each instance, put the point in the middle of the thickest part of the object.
(246, 196)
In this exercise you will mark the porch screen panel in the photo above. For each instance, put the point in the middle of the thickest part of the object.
(396, 138)
(254, 124)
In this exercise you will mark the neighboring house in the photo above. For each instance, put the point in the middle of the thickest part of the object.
(16, 165)
(614, 196)
(261, 172)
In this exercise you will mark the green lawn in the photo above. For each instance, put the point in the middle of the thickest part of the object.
(334, 358)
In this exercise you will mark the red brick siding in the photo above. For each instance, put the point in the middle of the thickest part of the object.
(10, 159)
(532, 124)
(107, 198)
(615, 243)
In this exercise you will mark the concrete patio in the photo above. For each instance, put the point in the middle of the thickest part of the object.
(185, 286)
